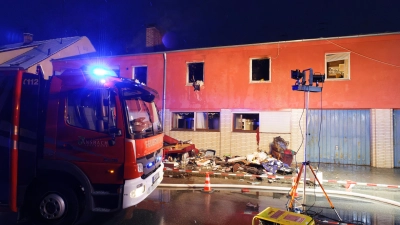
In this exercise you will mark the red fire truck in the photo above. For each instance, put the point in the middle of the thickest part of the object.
(79, 142)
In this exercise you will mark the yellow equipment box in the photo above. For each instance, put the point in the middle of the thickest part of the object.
(274, 216)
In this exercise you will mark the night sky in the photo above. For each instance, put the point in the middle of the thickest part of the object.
(118, 26)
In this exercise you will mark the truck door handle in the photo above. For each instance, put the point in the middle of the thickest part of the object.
(65, 146)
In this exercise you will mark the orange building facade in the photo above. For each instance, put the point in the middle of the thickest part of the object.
(242, 89)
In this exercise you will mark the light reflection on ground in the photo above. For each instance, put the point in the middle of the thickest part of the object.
(166, 206)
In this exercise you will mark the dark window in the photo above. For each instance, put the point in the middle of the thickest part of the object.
(195, 72)
(260, 69)
(140, 73)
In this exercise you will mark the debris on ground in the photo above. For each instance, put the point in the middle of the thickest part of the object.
(251, 205)
(184, 155)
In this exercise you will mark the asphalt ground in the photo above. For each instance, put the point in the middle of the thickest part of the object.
(351, 179)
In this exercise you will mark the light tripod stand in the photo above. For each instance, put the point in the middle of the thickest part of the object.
(302, 86)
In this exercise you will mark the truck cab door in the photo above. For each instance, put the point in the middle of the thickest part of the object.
(89, 133)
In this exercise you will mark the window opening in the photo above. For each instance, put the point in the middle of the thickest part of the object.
(140, 73)
(195, 72)
(260, 70)
(207, 120)
(245, 121)
(183, 120)
(337, 66)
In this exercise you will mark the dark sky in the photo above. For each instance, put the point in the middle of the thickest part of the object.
(118, 26)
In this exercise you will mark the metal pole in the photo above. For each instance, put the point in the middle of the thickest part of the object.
(305, 150)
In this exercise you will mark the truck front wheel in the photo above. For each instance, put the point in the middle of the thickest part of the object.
(55, 204)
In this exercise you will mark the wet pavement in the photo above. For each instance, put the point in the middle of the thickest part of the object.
(365, 180)
(360, 174)
(171, 206)
(330, 174)
(348, 179)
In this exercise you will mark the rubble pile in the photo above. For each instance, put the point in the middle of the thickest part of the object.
(277, 160)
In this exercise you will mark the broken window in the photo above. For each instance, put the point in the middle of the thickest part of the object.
(140, 73)
(260, 70)
(195, 72)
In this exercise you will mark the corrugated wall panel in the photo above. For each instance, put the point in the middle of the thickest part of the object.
(339, 136)
(396, 137)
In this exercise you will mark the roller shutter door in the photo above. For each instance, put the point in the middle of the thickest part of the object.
(339, 136)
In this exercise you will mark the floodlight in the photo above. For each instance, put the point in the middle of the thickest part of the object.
(301, 80)
(319, 78)
(297, 75)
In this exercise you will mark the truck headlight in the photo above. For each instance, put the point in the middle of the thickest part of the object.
(138, 191)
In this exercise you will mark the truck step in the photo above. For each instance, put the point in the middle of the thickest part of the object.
(102, 210)
(97, 193)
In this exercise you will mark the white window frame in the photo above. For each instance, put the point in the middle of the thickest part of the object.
(251, 70)
(195, 121)
(236, 128)
(335, 56)
(173, 115)
(188, 78)
(198, 119)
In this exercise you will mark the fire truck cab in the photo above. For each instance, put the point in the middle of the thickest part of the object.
(82, 141)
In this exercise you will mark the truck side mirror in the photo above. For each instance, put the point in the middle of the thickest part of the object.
(115, 131)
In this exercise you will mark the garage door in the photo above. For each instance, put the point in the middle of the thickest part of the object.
(396, 137)
(339, 136)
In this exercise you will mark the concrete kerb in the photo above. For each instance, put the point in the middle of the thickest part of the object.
(287, 178)
(285, 189)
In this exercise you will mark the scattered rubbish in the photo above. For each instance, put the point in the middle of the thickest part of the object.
(253, 183)
(251, 205)
(184, 155)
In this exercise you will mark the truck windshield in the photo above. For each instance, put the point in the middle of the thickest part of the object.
(144, 120)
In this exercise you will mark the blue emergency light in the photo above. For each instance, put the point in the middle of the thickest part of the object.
(101, 71)
(150, 164)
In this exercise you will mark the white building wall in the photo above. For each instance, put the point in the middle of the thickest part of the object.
(231, 143)
(225, 142)
(298, 131)
(226, 130)
(382, 138)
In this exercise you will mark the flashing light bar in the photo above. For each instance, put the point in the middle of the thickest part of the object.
(101, 71)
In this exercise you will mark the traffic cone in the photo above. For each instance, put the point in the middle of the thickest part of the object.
(296, 194)
(207, 185)
(349, 185)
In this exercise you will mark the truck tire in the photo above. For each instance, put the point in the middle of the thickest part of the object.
(54, 204)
